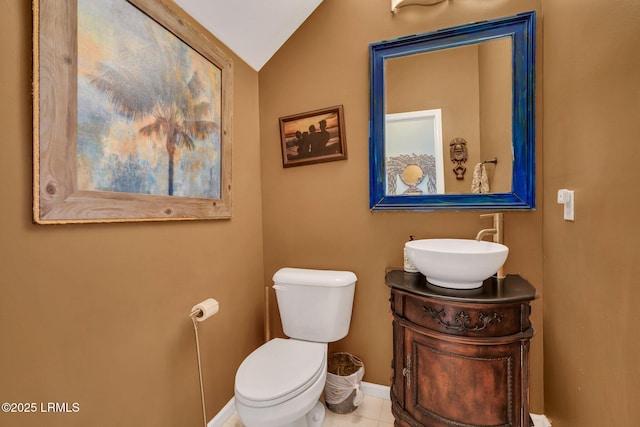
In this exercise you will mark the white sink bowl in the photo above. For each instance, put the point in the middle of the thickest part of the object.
(456, 263)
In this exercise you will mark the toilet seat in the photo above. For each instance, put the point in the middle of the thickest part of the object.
(279, 370)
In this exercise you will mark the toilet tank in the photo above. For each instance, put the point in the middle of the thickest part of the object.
(315, 305)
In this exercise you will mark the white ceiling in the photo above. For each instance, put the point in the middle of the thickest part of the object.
(253, 29)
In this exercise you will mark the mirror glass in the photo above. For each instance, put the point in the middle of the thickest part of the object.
(452, 118)
(413, 146)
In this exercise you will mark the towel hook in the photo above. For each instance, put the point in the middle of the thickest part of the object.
(494, 161)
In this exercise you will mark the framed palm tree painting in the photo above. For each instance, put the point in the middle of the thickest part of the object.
(132, 114)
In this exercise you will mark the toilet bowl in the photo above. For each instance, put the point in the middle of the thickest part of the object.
(280, 382)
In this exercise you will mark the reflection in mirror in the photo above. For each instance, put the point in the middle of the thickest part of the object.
(412, 176)
(460, 82)
(414, 138)
(480, 79)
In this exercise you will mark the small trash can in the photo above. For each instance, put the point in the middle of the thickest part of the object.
(342, 393)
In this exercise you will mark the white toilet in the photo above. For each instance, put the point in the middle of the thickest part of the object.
(279, 384)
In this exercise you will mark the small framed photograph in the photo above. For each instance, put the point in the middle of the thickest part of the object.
(313, 137)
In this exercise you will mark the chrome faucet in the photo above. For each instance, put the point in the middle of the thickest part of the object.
(498, 235)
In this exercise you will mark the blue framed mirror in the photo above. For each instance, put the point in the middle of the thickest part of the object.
(453, 118)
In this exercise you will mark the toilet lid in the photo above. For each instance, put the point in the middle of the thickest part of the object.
(280, 368)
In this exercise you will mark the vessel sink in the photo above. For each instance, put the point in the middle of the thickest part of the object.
(456, 263)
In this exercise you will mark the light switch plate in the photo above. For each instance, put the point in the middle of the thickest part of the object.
(566, 198)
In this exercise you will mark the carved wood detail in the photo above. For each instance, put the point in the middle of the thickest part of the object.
(462, 320)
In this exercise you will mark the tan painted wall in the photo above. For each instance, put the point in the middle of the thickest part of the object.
(98, 314)
(592, 265)
(317, 216)
(495, 104)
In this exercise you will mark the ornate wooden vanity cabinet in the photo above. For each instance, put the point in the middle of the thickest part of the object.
(460, 358)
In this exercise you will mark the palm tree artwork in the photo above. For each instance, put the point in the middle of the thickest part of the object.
(143, 92)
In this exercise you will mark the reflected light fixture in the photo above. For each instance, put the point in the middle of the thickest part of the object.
(397, 4)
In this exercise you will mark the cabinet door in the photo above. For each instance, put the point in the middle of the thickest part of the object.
(453, 383)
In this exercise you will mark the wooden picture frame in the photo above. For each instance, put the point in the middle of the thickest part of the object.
(119, 142)
(313, 137)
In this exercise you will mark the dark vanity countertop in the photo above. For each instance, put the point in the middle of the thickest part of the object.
(512, 288)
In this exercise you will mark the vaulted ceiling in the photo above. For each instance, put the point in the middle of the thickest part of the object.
(253, 29)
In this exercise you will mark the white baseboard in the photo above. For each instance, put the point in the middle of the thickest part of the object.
(376, 390)
(223, 416)
(540, 420)
(368, 389)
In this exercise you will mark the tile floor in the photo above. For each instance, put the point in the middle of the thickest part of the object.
(373, 412)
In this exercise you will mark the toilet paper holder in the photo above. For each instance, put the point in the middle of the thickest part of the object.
(202, 311)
